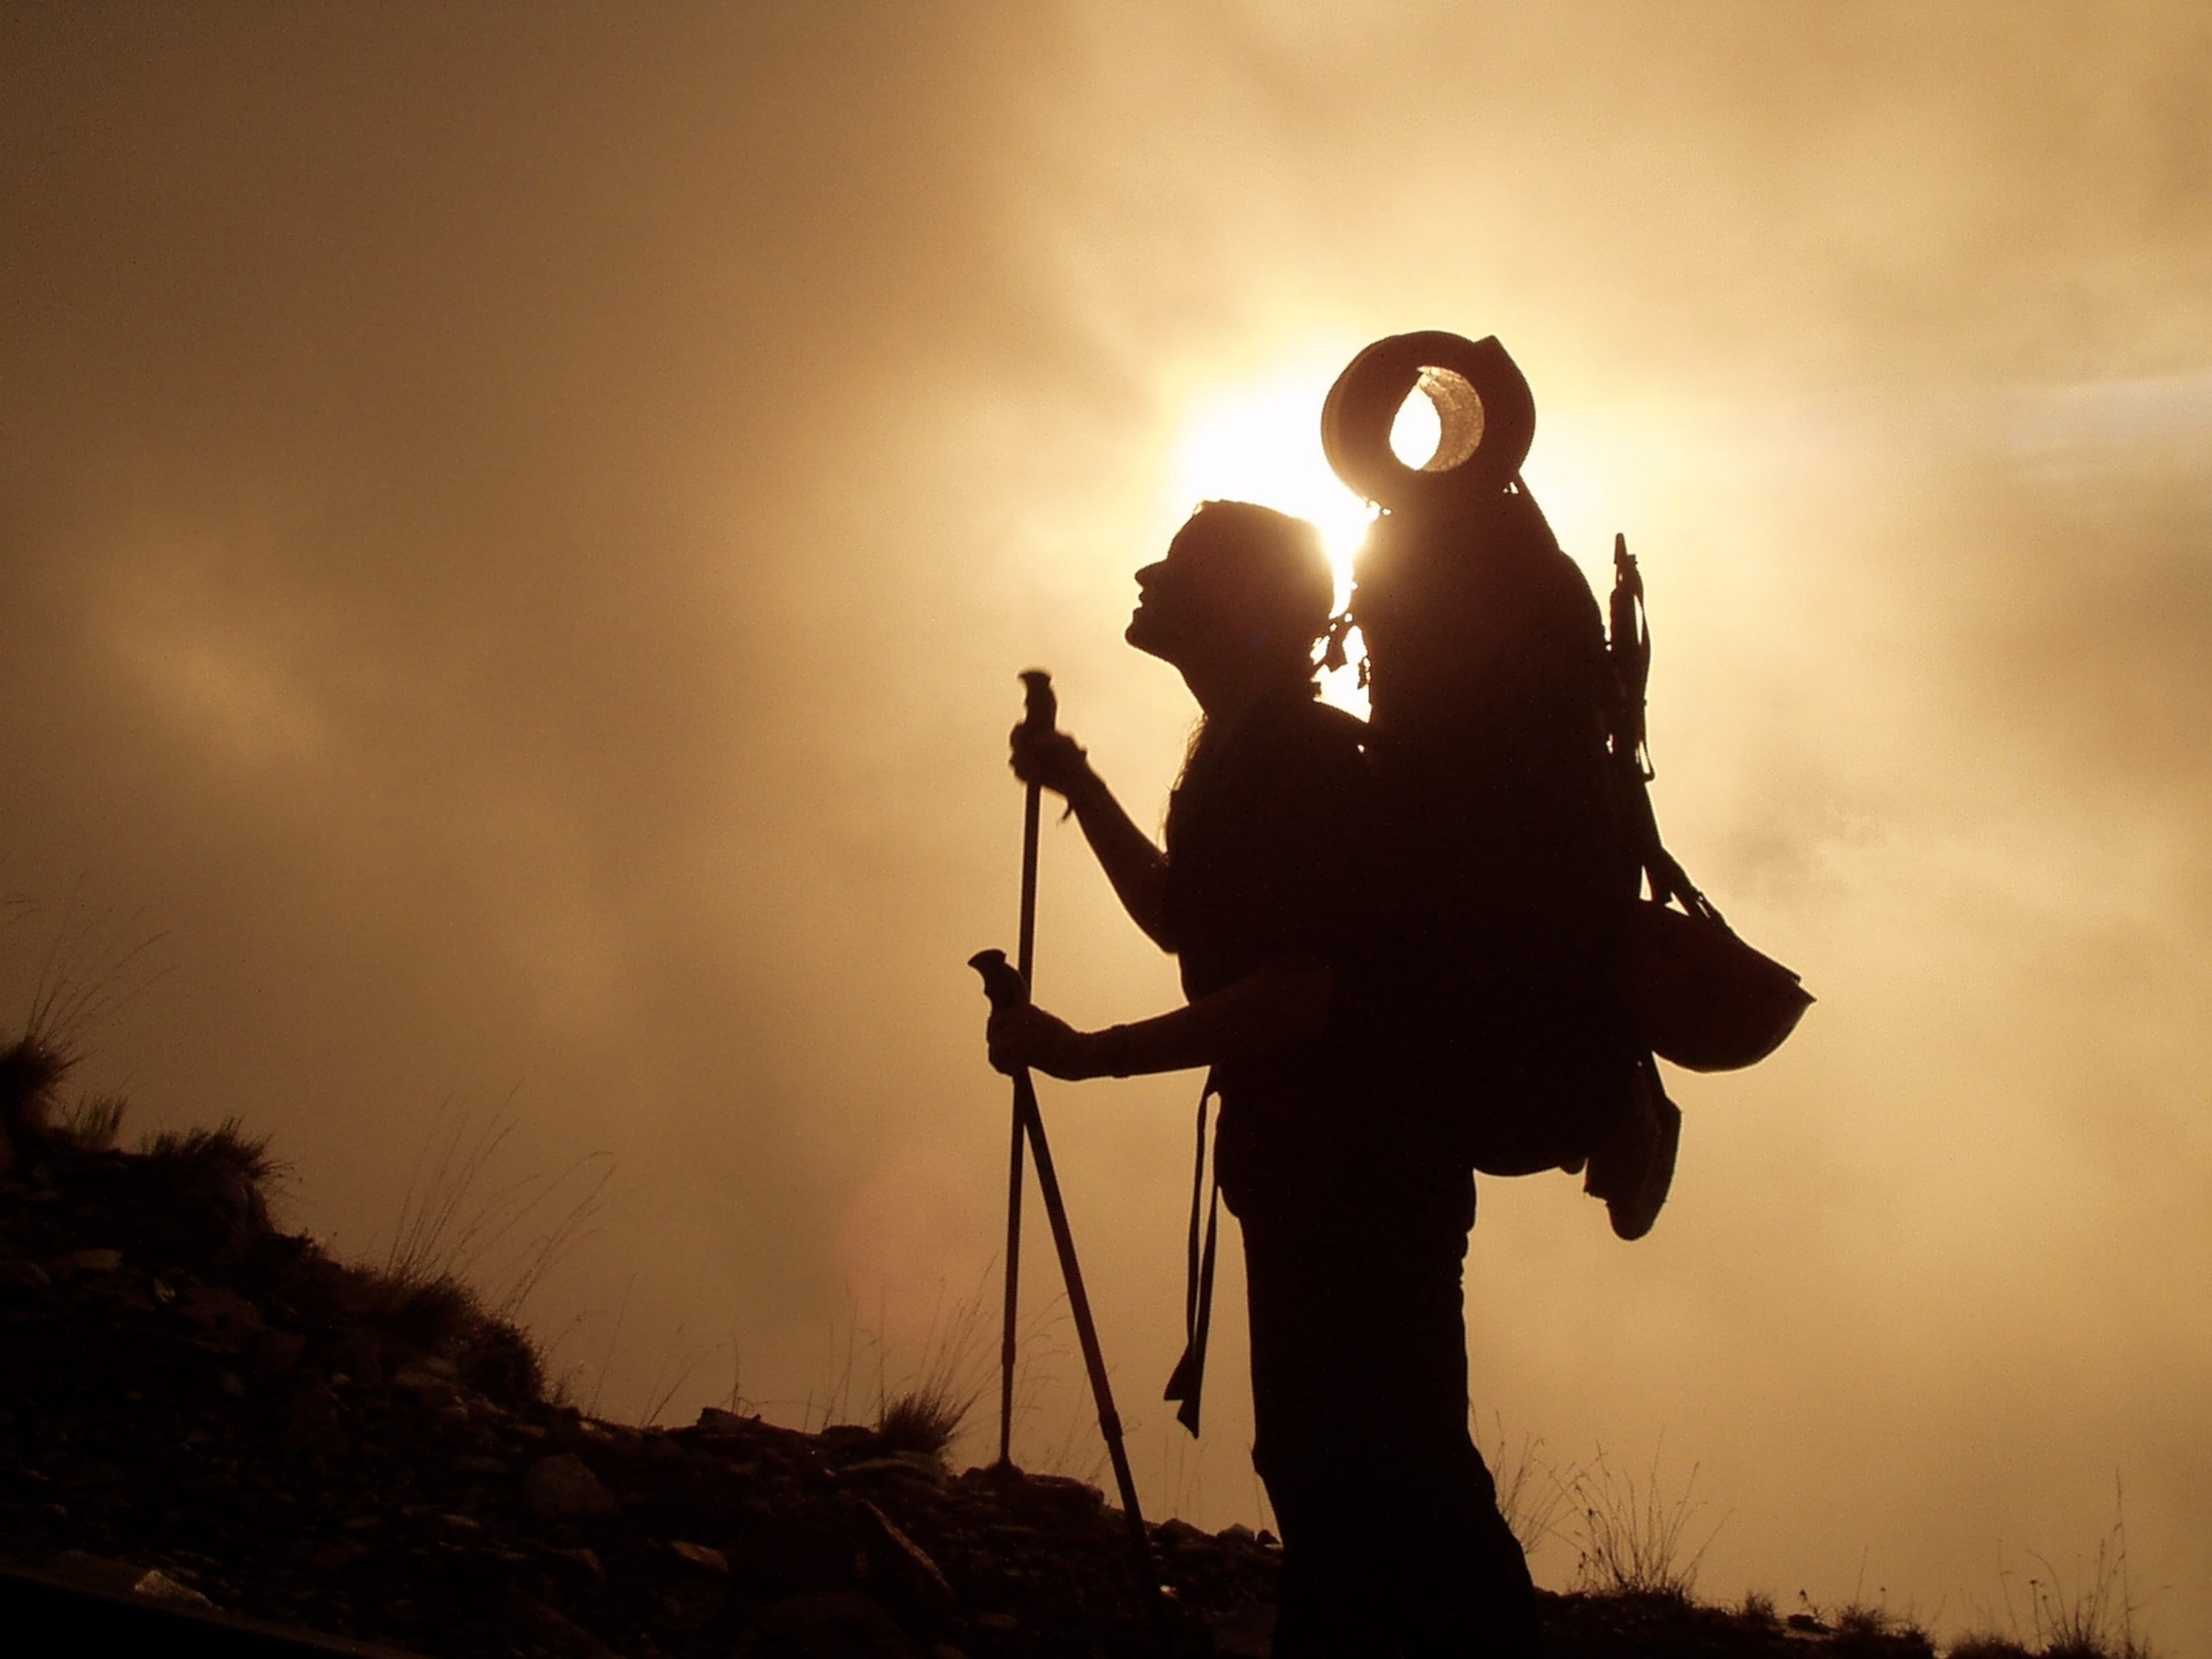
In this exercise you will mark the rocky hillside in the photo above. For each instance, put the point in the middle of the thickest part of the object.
(197, 1406)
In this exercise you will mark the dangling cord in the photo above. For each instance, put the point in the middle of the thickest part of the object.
(1188, 1381)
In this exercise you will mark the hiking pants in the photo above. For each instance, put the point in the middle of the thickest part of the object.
(1392, 1540)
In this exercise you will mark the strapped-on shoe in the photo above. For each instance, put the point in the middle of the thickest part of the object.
(1633, 1168)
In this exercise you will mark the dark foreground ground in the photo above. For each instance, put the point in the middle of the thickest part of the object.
(198, 1409)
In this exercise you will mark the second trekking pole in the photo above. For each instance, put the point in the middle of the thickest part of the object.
(1006, 990)
(1040, 713)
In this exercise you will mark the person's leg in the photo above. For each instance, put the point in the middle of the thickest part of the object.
(1391, 1533)
(1460, 1580)
(1304, 1426)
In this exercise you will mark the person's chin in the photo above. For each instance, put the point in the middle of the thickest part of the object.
(1143, 632)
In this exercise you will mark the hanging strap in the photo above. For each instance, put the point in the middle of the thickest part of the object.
(1630, 654)
(1630, 650)
(1189, 1377)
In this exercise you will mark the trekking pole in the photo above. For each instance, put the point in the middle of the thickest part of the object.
(1005, 989)
(1041, 712)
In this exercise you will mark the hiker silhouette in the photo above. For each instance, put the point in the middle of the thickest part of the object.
(1275, 892)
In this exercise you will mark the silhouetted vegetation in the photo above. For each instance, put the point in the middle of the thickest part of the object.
(187, 1217)
(926, 1413)
(199, 1199)
(2090, 1614)
(460, 1216)
(922, 1420)
(227, 1143)
(92, 1122)
(1635, 1538)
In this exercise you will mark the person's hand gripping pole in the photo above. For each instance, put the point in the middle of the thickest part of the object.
(1006, 989)
(1040, 710)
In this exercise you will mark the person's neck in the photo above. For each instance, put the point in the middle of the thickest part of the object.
(1225, 690)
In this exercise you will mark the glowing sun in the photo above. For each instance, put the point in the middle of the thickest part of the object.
(1263, 444)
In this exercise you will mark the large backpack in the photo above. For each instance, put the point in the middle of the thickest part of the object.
(1523, 980)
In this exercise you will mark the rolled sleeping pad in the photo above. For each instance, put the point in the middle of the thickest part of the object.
(1486, 413)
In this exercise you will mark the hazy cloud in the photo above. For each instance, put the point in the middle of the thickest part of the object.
(518, 538)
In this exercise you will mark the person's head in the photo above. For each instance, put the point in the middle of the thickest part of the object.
(1245, 591)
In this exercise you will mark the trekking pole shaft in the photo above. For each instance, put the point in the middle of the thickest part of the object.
(1013, 1283)
(1041, 711)
(1025, 951)
(1005, 988)
(1086, 1327)
(1030, 814)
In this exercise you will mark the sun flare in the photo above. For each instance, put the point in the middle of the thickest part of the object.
(1263, 444)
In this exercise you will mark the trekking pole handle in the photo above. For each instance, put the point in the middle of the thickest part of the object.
(1041, 708)
(1001, 983)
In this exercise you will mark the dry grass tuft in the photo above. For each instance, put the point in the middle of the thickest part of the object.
(457, 1217)
(93, 967)
(923, 1420)
(927, 1412)
(29, 1073)
(92, 1122)
(1531, 1491)
(1634, 1539)
(442, 1319)
(461, 1226)
(227, 1143)
(1860, 1623)
(2091, 1615)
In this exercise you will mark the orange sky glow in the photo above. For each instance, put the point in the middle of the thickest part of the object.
(518, 538)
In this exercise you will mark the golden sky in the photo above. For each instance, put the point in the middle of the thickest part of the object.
(517, 537)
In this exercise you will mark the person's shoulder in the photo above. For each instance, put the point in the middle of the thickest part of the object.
(1332, 742)
(1304, 745)
(1306, 722)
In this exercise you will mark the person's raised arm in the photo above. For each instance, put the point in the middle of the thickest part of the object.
(1137, 868)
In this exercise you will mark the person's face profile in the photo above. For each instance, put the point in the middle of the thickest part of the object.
(1182, 598)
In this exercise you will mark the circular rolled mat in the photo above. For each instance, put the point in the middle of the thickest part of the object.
(1485, 418)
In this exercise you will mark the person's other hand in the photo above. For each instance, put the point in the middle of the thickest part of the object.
(1052, 759)
(1028, 1037)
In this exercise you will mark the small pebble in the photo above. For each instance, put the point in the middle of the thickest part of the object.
(699, 1555)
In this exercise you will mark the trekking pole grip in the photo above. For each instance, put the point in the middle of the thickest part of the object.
(1040, 708)
(1001, 984)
